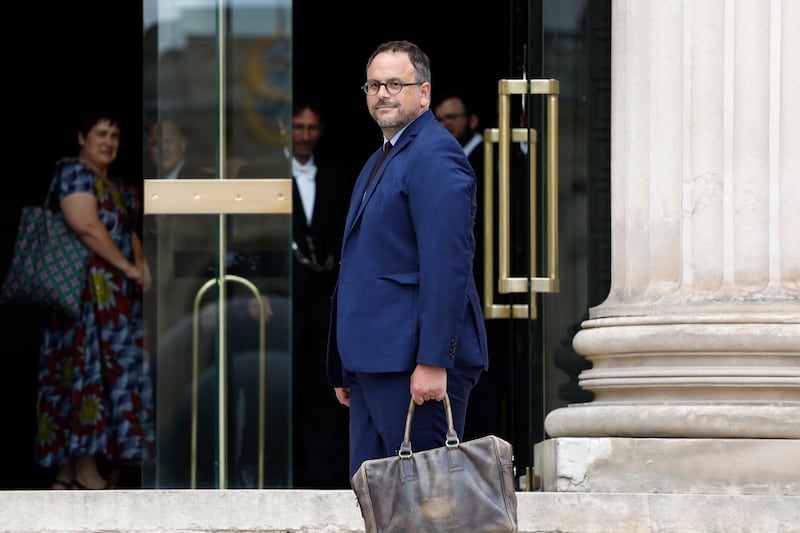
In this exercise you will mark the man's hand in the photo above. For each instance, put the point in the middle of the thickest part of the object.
(428, 383)
(255, 312)
(343, 395)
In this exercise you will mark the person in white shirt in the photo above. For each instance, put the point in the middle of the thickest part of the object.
(455, 114)
(322, 191)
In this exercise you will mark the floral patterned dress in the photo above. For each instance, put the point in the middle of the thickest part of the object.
(94, 388)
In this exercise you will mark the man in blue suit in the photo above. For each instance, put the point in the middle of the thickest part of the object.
(406, 320)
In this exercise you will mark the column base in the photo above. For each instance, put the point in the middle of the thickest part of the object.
(669, 465)
(691, 421)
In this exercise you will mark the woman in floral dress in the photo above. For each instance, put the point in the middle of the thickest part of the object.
(94, 389)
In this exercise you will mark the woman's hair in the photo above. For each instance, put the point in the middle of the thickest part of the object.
(90, 115)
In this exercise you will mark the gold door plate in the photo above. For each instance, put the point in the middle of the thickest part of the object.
(210, 196)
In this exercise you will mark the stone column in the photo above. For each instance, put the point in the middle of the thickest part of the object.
(696, 350)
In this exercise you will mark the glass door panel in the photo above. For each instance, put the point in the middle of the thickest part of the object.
(217, 237)
(547, 209)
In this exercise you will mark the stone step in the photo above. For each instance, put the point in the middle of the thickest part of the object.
(330, 511)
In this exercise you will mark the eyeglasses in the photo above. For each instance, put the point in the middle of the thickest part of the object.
(372, 87)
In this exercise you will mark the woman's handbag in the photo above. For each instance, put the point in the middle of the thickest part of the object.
(49, 262)
(461, 486)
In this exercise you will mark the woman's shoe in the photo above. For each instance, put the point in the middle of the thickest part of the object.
(87, 476)
(61, 480)
(60, 484)
(78, 485)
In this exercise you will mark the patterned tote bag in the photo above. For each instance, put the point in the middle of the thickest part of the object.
(49, 263)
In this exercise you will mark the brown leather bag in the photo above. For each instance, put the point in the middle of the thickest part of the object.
(461, 486)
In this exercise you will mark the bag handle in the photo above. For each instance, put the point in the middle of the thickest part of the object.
(49, 195)
(451, 441)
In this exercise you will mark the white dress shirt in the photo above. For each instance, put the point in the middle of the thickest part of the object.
(304, 177)
(473, 143)
(175, 172)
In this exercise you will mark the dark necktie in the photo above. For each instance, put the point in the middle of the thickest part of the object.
(386, 148)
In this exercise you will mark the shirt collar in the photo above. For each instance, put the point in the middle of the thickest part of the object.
(476, 140)
(304, 171)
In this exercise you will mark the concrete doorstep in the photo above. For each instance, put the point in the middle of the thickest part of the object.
(266, 511)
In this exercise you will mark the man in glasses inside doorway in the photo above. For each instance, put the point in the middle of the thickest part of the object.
(321, 196)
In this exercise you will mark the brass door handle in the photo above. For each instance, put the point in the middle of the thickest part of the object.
(503, 136)
(262, 369)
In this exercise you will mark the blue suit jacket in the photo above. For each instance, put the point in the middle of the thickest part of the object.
(406, 291)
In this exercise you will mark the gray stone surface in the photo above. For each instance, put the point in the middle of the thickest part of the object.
(690, 466)
(268, 511)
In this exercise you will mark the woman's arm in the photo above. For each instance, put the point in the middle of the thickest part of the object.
(80, 214)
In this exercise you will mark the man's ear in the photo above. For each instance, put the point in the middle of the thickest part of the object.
(473, 121)
(425, 89)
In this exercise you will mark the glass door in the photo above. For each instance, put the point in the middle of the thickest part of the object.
(547, 210)
(217, 237)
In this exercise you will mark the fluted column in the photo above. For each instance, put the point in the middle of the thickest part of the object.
(699, 336)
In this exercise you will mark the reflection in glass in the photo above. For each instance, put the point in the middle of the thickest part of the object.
(199, 261)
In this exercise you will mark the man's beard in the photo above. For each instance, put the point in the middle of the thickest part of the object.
(395, 122)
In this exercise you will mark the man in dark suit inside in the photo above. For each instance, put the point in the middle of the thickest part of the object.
(321, 196)
(457, 112)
